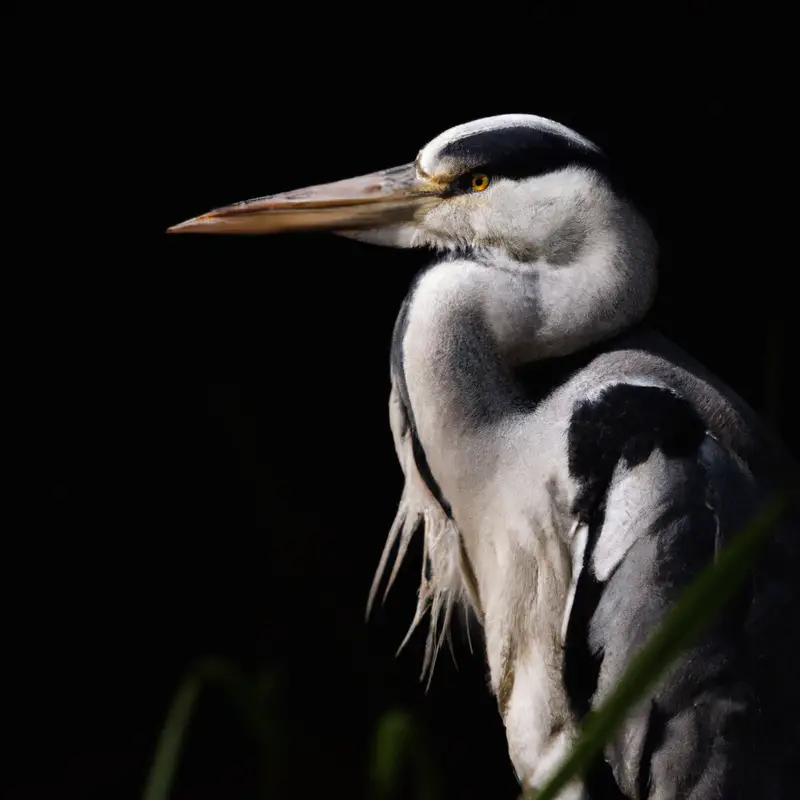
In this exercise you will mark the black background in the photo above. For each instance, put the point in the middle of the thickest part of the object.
(213, 470)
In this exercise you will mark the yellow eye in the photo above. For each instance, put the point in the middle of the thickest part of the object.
(480, 182)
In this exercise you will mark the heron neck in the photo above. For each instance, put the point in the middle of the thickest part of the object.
(455, 372)
(472, 322)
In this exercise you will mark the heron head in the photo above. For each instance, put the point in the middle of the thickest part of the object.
(510, 182)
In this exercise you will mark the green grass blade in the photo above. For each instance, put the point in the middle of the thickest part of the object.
(400, 744)
(694, 610)
(168, 749)
(165, 762)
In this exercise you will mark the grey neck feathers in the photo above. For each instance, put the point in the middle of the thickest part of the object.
(473, 320)
(590, 277)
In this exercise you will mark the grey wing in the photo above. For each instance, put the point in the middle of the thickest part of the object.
(660, 496)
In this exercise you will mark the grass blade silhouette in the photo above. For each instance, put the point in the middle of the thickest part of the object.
(208, 671)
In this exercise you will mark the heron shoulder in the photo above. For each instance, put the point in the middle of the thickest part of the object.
(646, 358)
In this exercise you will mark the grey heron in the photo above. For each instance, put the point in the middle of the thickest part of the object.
(570, 468)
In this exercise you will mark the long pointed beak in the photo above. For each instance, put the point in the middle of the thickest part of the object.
(387, 197)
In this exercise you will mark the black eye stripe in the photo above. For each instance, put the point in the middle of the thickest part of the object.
(521, 152)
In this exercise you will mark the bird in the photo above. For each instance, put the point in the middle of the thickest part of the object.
(571, 469)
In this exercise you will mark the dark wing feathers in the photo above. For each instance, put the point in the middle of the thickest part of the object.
(660, 496)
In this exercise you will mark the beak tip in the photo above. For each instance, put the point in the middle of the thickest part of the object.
(190, 224)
